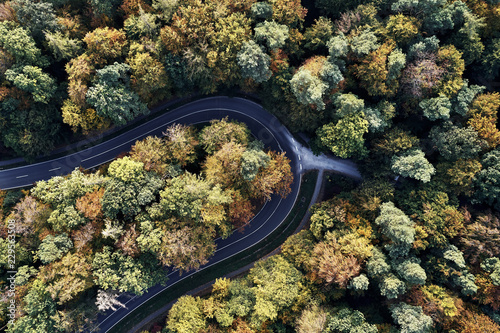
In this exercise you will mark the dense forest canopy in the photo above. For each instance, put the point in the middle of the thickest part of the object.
(407, 89)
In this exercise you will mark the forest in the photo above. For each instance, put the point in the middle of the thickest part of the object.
(408, 89)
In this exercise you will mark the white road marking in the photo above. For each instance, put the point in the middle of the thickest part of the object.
(22, 176)
(55, 169)
(299, 157)
(300, 166)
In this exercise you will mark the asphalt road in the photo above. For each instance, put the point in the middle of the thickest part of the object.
(263, 126)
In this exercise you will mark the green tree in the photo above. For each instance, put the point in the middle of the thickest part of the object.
(455, 143)
(346, 320)
(272, 34)
(308, 89)
(411, 318)
(112, 97)
(254, 63)
(436, 108)
(348, 104)
(486, 182)
(54, 247)
(66, 190)
(114, 270)
(413, 164)
(186, 315)
(62, 46)
(262, 10)
(18, 43)
(40, 312)
(65, 219)
(398, 227)
(126, 169)
(37, 16)
(252, 160)
(345, 138)
(128, 197)
(317, 36)
(275, 285)
(34, 81)
(364, 43)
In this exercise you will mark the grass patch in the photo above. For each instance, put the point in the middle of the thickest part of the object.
(242, 259)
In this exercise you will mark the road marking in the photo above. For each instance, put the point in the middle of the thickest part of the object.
(300, 166)
(22, 176)
(297, 149)
(299, 157)
(55, 169)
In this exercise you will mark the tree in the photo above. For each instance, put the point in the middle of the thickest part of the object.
(491, 58)
(186, 315)
(114, 270)
(455, 143)
(27, 215)
(436, 108)
(312, 320)
(348, 104)
(126, 169)
(107, 299)
(34, 81)
(105, 45)
(126, 198)
(66, 190)
(37, 16)
(141, 25)
(373, 71)
(464, 97)
(398, 227)
(331, 266)
(487, 189)
(481, 238)
(148, 77)
(276, 178)
(106, 7)
(40, 311)
(68, 278)
(411, 318)
(318, 35)
(65, 219)
(190, 196)
(271, 33)
(90, 204)
(308, 89)
(347, 320)
(402, 28)
(275, 284)
(222, 131)
(180, 143)
(413, 164)
(54, 247)
(483, 112)
(459, 175)
(18, 43)
(254, 63)
(345, 138)
(61, 46)
(364, 43)
(112, 97)
(262, 10)
(252, 161)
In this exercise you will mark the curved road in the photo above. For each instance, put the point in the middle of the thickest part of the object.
(263, 126)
